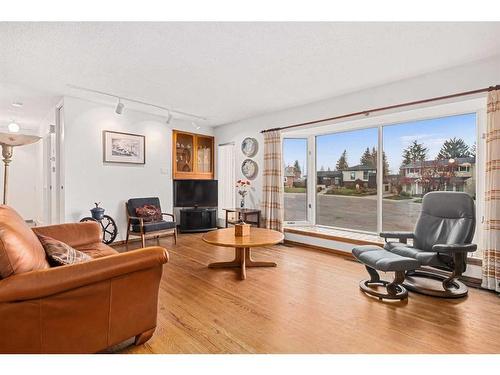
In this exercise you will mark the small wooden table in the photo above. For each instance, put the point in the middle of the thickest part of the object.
(242, 214)
(242, 257)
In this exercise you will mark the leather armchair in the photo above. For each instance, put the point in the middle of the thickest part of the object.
(80, 308)
(441, 240)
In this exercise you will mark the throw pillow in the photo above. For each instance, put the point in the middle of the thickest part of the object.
(148, 213)
(60, 254)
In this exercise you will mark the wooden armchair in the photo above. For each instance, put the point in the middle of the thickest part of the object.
(137, 226)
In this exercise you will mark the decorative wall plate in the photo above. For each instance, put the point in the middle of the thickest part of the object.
(249, 169)
(249, 147)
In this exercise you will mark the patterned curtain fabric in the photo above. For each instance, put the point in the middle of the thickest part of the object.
(491, 259)
(272, 190)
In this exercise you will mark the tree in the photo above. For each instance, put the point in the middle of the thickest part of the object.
(296, 166)
(384, 161)
(367, 158)
(473, 150)
(414, 152)
(454, 148)
(342, 164)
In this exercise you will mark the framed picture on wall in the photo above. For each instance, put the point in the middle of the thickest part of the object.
(124, 148)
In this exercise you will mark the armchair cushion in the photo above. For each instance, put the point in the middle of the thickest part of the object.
(60, 254)
(154, 226)
(20, 250)
(428, 258)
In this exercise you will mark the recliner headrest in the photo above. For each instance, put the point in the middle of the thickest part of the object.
(449, 205)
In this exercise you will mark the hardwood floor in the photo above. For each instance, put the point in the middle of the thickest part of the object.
(310, 303)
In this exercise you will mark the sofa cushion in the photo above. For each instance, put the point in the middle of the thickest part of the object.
(61, 254)
(97, 250)
(20, 250)
(154, 226)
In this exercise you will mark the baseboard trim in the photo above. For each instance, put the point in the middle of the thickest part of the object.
(320, 248)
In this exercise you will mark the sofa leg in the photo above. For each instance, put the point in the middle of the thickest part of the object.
(126, 238)
(144, 336)
(175, 236)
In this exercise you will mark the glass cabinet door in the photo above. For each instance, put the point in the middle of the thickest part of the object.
(184, 153)
(204, 155)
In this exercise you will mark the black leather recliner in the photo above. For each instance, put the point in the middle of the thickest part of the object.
(441, 240)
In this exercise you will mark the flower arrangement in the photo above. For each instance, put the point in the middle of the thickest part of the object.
(242, 186)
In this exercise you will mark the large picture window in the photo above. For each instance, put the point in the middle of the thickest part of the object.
(295, 179)
(346, 179)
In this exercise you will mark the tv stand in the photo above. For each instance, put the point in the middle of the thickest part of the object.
(198, 220)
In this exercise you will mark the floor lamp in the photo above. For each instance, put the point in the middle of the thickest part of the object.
(8, 142)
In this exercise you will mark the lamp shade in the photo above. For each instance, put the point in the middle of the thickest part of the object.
(10, 139)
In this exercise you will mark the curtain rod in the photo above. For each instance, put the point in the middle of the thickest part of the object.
(369, 111)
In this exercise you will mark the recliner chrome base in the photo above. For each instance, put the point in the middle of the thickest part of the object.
(421, 281)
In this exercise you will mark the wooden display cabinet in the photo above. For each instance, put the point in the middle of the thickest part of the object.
(192, 156)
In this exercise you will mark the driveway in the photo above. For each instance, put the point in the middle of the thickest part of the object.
(354, 212)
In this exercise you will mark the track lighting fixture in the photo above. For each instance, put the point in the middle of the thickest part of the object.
(195, 125)
(13, 127)
(119, 107)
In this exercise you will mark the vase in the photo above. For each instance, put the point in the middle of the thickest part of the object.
(242, 202)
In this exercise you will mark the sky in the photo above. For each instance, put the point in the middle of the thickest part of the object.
(432, 133)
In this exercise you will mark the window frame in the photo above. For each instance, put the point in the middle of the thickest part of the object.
(476, 106)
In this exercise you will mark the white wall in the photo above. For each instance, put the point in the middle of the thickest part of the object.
(87, 179)
(463, 78)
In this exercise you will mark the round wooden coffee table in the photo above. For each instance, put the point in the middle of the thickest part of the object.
(242, 258)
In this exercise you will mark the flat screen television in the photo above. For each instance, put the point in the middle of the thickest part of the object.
(195, 193)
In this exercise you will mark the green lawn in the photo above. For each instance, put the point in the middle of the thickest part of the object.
(295, 190)
(351, 192)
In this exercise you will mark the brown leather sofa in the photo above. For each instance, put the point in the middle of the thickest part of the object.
(80, 308)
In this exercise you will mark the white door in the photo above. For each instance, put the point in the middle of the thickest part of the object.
(226, 177)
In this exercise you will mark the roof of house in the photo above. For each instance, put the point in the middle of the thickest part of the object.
(329, 173)
(438, 162)
(361, 167)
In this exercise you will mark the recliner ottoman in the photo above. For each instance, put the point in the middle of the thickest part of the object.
(375, 259)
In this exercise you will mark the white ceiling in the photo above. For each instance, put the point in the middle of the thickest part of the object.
(231, 71)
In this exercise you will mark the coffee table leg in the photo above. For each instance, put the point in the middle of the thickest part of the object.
(252, 263)
(236, 262)
(243, 265)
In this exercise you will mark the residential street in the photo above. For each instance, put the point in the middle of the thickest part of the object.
(354, 212)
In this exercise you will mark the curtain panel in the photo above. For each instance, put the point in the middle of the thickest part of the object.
(272, 189)
(491, 258)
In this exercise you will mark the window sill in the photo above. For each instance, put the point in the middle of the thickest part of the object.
(350, 237)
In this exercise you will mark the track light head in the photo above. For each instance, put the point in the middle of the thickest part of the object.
(119, 107)
(195, 125)
(169, 117)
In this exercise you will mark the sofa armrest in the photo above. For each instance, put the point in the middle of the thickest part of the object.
(40, 284)
(73, 234)
(397, 235)
(454, 248)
